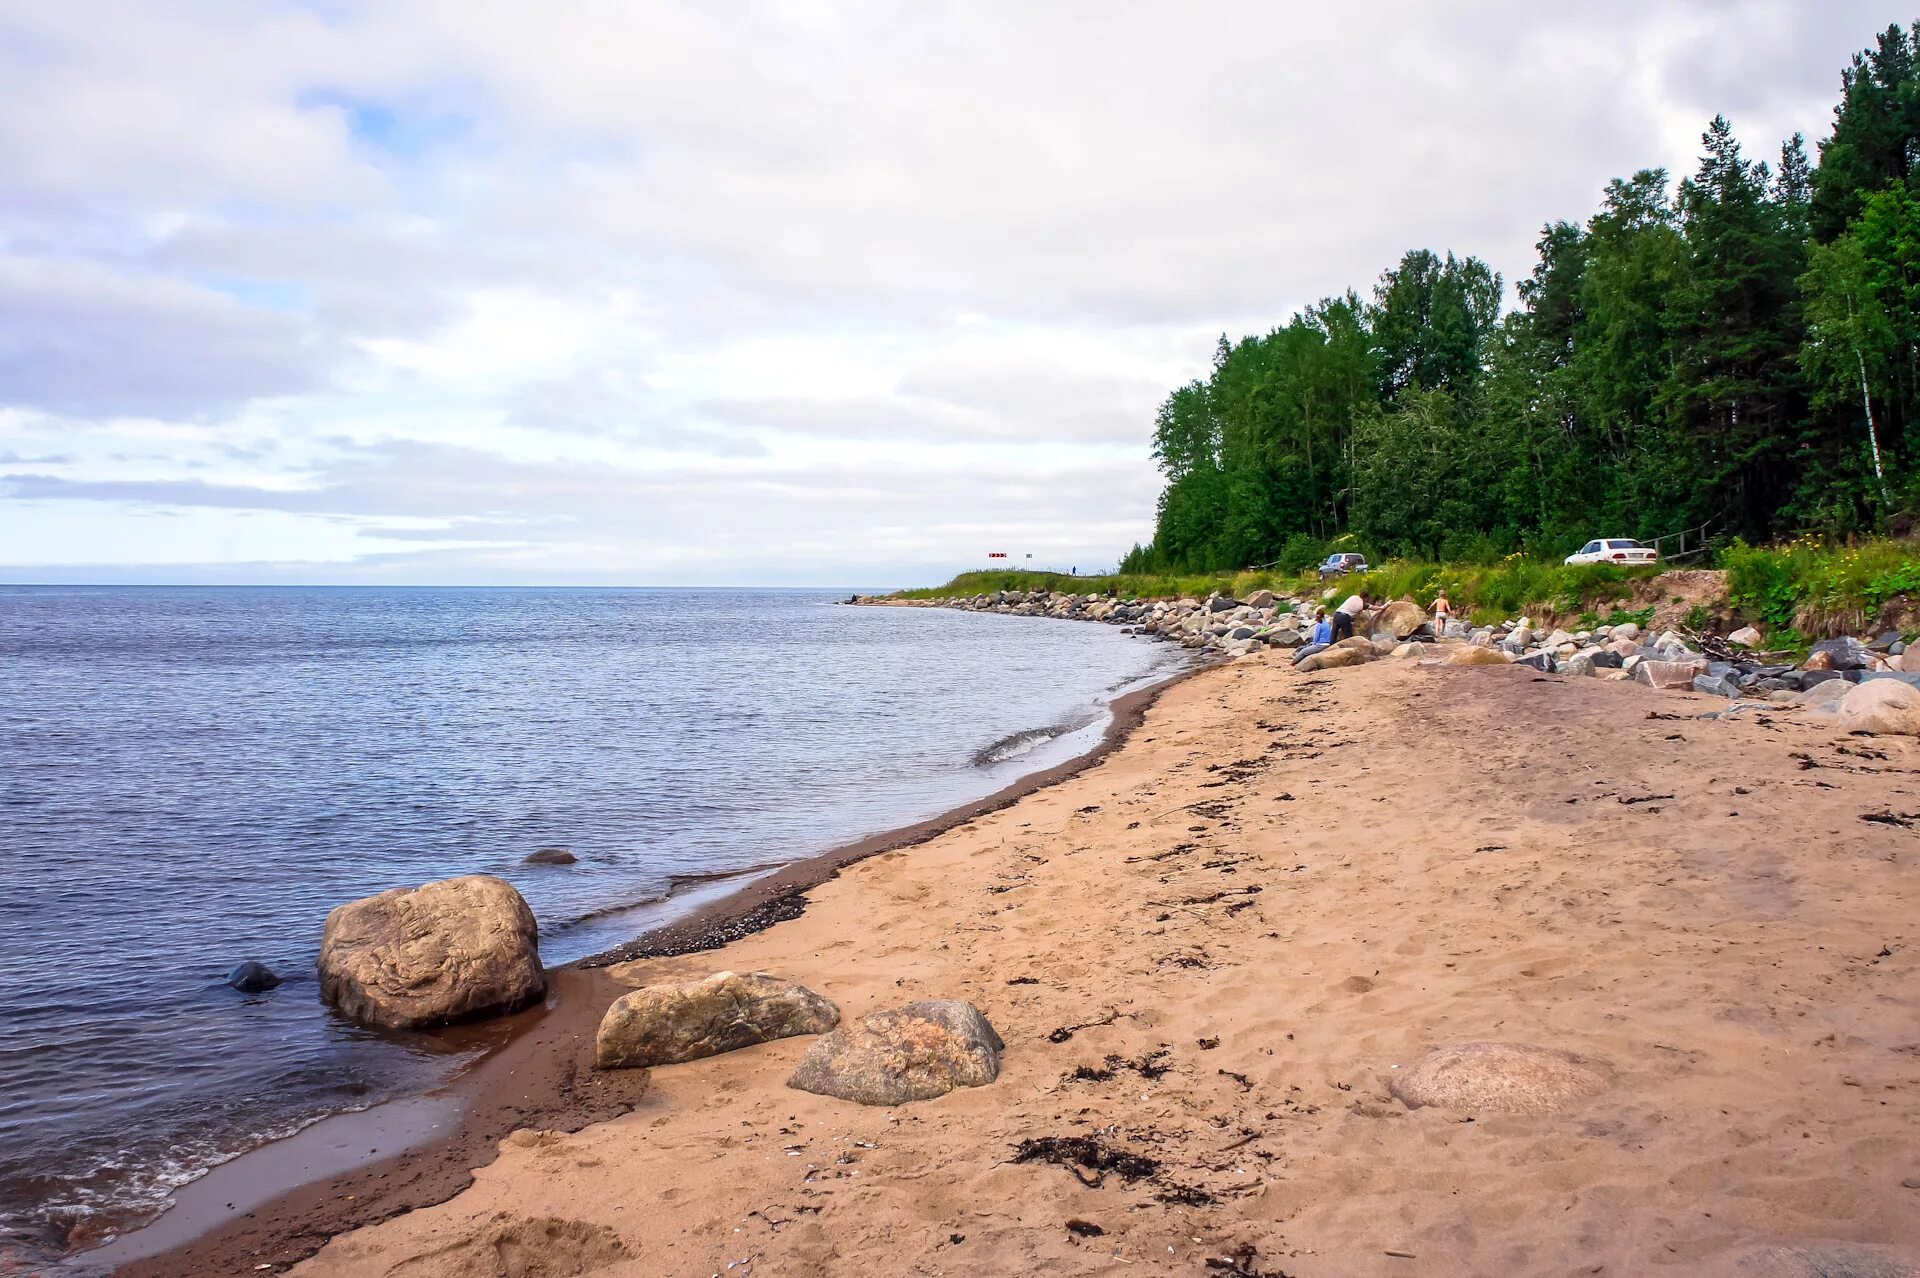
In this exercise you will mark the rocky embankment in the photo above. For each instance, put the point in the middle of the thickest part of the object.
(1735, 666)
(1217, 623)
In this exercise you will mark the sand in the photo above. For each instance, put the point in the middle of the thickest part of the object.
(1280, 892)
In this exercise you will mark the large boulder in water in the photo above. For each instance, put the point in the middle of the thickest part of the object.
(1500, 1077)
(1399, 619)
(686, 1020)
(456, 950)
(1886, 706)
(915, 1052)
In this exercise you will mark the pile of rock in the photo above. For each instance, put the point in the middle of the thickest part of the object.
(1217, 623)
(1732, 668)
(1736, 667)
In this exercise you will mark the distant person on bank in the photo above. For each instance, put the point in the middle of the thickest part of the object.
(1442, 614)
(1343, 619)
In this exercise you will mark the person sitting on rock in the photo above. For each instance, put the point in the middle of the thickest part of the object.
(1322, 628)
(1343, 619)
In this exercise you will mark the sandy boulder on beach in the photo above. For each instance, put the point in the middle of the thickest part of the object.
(1500, 1077)
(915, 1052)
(1881, 705)
(1474, 655)
(1336, 658)
(679, 1021)
(457, 950)
(1399, 619)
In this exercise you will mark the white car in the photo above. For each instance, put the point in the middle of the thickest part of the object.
(1624, 551)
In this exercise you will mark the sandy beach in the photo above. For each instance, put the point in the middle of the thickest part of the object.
(1215, 949)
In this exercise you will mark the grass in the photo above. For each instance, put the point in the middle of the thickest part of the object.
(1815, 588)
(1129, 585)
(1484, 592)
(1806, 587)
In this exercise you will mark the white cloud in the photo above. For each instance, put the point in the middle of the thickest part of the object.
(795, 288)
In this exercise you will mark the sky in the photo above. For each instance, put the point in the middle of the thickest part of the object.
(752, 293)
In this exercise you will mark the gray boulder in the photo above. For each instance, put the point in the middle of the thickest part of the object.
(1846, 653)
(1719, 685)
(252, 978)
(910, 1053)
(679, 1021)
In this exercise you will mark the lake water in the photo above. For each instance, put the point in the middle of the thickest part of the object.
(193, 777)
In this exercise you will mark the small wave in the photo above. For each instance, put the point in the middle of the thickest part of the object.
(676, 884)
(1013, 746)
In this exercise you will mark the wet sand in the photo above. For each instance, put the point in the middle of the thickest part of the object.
(1215, 950)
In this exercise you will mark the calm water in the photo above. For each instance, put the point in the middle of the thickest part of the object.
(192, 777)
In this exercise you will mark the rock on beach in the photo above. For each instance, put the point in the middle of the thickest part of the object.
(460, 949)
(679, 1021)
(1505, 1077)
(910, 1053)
(1885, 706)
(1399, 619)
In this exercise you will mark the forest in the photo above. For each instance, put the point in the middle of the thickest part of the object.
(1738, 350)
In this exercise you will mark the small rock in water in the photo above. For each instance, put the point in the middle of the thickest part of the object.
(252, 978)
(551, 856)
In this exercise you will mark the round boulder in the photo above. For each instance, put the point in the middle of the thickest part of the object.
(910, 1053)
(1336, 658)
(1886, 706)
(685, 1020)
(1399, 619)
(1503, 1077)
(551, 856)
(252, 978)
(457, 950)
(1475, 655)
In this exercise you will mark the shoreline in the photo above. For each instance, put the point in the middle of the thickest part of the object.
(1216, 958)
(534, 1072)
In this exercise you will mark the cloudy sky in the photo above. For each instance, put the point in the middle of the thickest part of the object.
(776, 293)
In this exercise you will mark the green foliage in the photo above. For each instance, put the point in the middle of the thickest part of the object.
(1818, 587)
(1499, 590)
(1763, 585)
(1740, 350)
